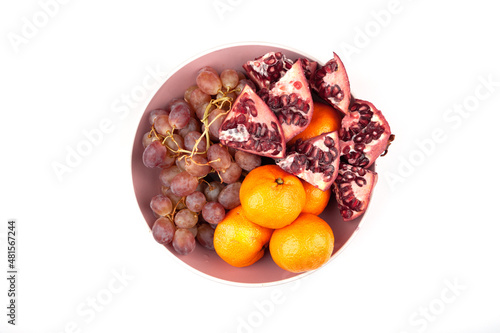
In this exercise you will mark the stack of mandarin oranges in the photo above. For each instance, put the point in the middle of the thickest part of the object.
(280, 211)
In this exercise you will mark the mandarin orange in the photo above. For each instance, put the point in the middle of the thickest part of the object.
(325, 119)
(306, 244)
(272, 197)
(238, 241)
(316, 199)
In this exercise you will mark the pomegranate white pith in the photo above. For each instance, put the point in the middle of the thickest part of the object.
(267, 69)
(252, 127)
(290, 99)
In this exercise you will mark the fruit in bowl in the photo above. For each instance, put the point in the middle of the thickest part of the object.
(239, 152)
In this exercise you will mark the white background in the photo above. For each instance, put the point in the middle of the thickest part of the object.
(427, 257)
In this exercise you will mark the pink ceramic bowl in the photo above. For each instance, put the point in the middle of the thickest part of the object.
(203, 261)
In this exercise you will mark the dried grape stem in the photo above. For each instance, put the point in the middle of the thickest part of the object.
(153, 131)
(204, 180)
(219, 104)
(193, 161)
(174, 210)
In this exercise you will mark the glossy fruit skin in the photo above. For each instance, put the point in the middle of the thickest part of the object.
(238, 241)
(163, 230)
(304, 245)
(316, 199)
(154, 154)
(271, 197)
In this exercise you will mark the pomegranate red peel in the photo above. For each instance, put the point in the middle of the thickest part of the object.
(252, 127)
(364, 134)
(332, 84)
(315, 160)
(290, 99)
(353, 188)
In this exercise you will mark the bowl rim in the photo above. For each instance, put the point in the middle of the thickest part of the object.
(166, 77)
(234, 44)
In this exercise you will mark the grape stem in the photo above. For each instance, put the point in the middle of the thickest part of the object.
(171, 216)
(219, 103)
(204, 180)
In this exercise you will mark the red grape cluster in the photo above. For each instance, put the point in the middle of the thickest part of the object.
(200, 178)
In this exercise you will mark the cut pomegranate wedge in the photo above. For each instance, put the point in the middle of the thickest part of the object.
(252, 127)
(353, 189)
(315, 160)
(332, 84)
(309, 67)
(290, 99)
(364, 134)
(267, 69)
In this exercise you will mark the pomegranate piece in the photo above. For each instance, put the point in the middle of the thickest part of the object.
(353, 189)
(267, 69)
(332, 84)
(315, 160)
(364, 134)
(309, 67)
(290, 99)
(252, 127)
